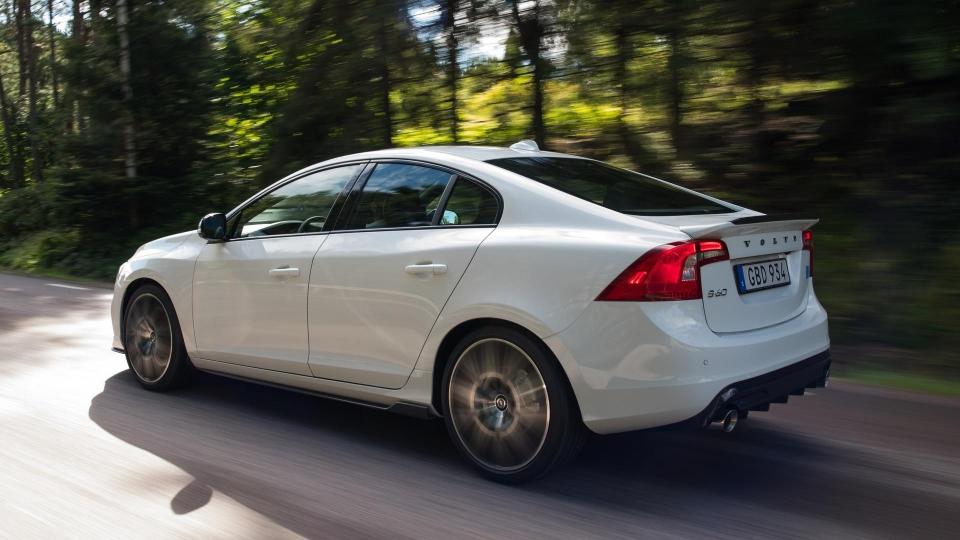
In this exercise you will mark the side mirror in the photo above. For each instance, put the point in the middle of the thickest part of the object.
(213, 227)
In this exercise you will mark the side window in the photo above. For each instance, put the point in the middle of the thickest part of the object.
(302, 206)
(399, 195)
(470, 204)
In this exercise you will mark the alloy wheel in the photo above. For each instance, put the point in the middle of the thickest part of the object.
(499, 404)
(148, 338)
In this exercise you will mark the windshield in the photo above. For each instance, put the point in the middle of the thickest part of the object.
(611, 187)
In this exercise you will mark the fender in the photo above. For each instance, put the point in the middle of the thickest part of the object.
(170, 262)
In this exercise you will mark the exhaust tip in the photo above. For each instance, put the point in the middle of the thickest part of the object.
(730, 419)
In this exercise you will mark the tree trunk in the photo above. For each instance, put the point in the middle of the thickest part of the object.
(623, 53)
(8, 116)
(129, 133)
(539, 129)
(36, 155)
(755, 49)
(531, 33)
(77, 30)
(91, 29)
(385, 84)
(675, 91)
(78, 35)
(453, 65)
(22, 10)
(53, 57)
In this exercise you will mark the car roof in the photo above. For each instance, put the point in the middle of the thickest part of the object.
(475, 153)
(486, 153)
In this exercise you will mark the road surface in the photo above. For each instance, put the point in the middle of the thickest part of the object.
(85, 453)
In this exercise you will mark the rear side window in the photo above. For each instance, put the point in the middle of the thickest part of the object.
(618, 189)
(399, 195)
(470, 204)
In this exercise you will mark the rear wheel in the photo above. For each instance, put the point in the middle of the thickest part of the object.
(507, 406)
(152, 341)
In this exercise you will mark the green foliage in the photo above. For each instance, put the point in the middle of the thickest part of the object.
(844, 110)
(44, 250)
(23, 210)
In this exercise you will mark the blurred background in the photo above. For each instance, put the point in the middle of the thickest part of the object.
(125, 120)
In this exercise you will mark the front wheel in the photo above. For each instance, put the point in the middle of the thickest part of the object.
(507, 406)
(152, 341)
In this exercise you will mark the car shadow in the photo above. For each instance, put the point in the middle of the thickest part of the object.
(280, 453)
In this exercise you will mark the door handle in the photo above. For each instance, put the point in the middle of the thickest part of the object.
(284, 272)
(418, 269)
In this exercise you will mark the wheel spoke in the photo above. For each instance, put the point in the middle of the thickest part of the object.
(531, 393)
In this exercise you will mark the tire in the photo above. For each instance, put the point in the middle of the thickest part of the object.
(507, 406)
(152, 341)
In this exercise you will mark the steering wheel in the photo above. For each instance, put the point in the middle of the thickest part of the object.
(310, 220)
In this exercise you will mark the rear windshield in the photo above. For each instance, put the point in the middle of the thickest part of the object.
(614, 188)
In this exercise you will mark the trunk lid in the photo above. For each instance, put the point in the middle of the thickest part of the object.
(751, 239)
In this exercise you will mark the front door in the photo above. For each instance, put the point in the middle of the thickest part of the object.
(250, 292)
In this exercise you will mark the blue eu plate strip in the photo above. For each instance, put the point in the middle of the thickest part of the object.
(741, 283)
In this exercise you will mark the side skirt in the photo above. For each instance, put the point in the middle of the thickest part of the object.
(364, 396)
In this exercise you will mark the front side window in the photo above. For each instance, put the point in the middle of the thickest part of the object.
(399, 195)
(302, 206)
(618, 189)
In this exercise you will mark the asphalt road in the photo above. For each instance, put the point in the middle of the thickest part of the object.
(85, 453)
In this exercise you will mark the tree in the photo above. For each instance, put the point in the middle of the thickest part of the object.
(28, 80)
(167, 99)
(345, 63)
(675, 28)
(53, 56)
(129, 132)
(451, 31)
(383, 44)
(8, 115)
(22, 11)
(531, 30)
(180, 107)
(77, 41)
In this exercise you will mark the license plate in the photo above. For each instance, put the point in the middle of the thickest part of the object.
(761, 275)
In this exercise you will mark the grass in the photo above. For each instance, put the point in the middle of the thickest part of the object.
(924, 384)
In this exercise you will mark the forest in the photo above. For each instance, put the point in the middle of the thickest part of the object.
(125, 120)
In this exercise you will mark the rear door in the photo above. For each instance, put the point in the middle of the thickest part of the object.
(378, 285)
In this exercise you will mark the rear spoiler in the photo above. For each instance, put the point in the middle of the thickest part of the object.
(750, 225)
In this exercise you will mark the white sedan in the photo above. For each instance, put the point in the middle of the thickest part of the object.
(526, 297)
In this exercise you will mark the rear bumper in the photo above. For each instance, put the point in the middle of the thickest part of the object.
(757, 393)
(650, 364)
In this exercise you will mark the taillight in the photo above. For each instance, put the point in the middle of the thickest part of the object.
(808, 246)
(667, 272)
